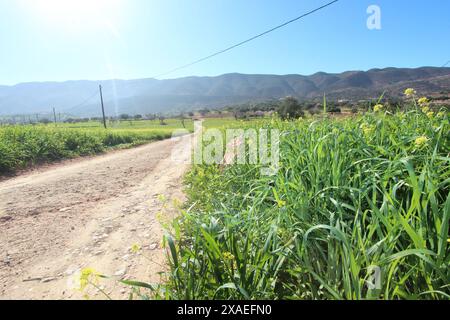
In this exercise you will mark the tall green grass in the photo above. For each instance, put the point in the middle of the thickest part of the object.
(351, 194)
(23, 146)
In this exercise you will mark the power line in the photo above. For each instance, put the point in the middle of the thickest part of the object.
(84, 101)
(248, 40)
(445, 64)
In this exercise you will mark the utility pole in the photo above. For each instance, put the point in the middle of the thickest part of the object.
(54, 116)
(103, 107)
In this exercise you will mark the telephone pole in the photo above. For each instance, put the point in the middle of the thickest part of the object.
(54, 116)
(103, 106)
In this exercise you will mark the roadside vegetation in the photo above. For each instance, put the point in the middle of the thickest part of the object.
(359, 210)
(24, 146)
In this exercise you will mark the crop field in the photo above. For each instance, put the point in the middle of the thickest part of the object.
(169, 124)
(23, 146)
(359, 210)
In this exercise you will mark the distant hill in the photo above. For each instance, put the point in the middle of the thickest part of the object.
(184, 94)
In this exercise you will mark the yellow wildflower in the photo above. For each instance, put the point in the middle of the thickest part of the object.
(441, 114)
(177, 203)
(378, 107)
(430, 114)
(421, 141)
(281, 203)
(161, 198)
(228, 256)
(425, 109)
(367, 129)
(135, 248)
(423, 101)
(88, 275)
(410, 92)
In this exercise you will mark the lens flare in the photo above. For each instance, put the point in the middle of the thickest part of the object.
(75, 14)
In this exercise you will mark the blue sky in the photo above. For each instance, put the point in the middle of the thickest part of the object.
(41, 40)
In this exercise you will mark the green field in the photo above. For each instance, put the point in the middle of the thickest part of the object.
(169, 124)
(24, 146)
(353, 196)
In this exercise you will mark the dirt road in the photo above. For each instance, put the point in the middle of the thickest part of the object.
(87, 213)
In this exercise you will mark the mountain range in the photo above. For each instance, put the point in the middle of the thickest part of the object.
(81, 98)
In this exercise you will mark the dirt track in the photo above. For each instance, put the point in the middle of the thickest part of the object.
(87, 213)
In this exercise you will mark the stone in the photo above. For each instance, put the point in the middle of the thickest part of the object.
(5, 218)
(120, 273)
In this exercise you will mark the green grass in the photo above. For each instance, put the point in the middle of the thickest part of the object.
(170, 124)
(351, 194)
(24, 146)
(224, 122)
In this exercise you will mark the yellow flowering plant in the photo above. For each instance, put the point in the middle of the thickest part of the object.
(421, 141)
(410, 92)
(88, 276)
(135, 248)
(423, 101)
(378, 108)
(367, 129)
(227, 256)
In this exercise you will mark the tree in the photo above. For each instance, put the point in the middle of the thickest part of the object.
(161, 120)
(290, 108)
(124, 116)
(333, 108)
(138, 117)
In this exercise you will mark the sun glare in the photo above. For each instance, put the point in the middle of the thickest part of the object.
(75, 14)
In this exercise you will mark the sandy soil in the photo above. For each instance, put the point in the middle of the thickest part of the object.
(87, 213)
